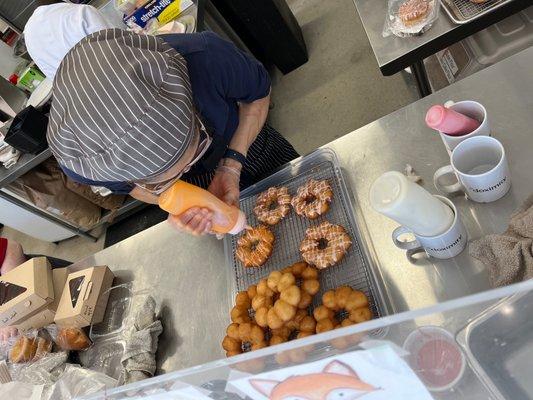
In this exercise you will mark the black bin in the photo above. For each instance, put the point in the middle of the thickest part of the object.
(269, 29)
(27, 132)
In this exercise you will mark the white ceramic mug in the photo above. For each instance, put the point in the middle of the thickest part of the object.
(480, 166)
(446, 245)
(471, 109)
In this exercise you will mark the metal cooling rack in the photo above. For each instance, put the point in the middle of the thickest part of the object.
(354, 270)
(463, 11)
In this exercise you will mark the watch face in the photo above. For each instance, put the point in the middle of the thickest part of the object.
(8, 291)
(75, 288)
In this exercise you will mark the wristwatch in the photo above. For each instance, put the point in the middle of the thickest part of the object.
(234, 155)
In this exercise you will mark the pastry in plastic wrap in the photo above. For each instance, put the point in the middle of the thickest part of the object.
(72, 339)
(23, 350)
(410, 17)
(412, 12)
(44, 347)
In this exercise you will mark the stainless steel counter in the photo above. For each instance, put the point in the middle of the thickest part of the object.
(188, 275)
(394, 54)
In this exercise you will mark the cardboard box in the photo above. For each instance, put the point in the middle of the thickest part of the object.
(46, 315)
(163, 10)
(84, 298)
(25, 290)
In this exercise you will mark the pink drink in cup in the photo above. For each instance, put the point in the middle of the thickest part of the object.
(435, 357)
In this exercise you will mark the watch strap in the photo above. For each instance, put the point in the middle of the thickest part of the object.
(235, 155)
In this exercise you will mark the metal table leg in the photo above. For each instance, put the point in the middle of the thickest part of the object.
(421, 77)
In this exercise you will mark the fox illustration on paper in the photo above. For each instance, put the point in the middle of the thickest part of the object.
(337, 381)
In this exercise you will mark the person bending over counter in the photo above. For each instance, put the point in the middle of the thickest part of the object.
(135, 113)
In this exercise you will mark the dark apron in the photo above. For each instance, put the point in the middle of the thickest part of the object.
(267, 153)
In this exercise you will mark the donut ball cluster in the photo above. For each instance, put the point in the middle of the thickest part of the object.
(280, 307)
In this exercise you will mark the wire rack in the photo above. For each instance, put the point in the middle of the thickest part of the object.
(353, 270)
(463, 11)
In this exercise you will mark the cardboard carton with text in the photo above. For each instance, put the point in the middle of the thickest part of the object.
(25, 290)
(84, 298)
(46, 315)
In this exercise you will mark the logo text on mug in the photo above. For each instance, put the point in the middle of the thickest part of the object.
(493, 187)
(451, 245)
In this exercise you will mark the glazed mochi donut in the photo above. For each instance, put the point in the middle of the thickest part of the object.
(272, 205)
(353, 303)
(312, 199)
(325, 245)
(255, 246)
(413, 12)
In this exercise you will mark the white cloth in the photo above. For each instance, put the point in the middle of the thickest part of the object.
(53, 30)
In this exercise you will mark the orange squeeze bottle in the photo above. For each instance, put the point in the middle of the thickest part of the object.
(182, 195)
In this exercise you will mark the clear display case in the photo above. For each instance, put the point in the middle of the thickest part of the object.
(475, 347)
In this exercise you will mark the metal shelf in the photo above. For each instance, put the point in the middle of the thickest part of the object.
(30, 161)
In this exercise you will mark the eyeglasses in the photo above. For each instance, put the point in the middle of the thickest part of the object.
(160, 187)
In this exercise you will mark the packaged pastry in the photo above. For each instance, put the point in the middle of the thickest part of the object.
(27, 349)
(410, 17)
(72, 339)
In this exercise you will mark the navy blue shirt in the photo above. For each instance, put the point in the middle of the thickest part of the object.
(221, 75)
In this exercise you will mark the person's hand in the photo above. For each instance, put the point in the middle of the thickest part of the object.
(195, 220)
(225, 185)
(6, 333)
(198, 221)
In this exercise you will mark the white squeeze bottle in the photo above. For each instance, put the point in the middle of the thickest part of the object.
(182, 195)
(412, 206)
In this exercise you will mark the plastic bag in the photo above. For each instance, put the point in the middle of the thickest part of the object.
(43, 372)
(20, 391)
(51, 379)
(76, 381)
(410, 17)
(8, 337)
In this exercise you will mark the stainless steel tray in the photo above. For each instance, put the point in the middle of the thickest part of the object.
(354, 270)
(464, 11)
(499, 347)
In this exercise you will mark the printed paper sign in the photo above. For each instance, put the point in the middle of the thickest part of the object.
(374, 374)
